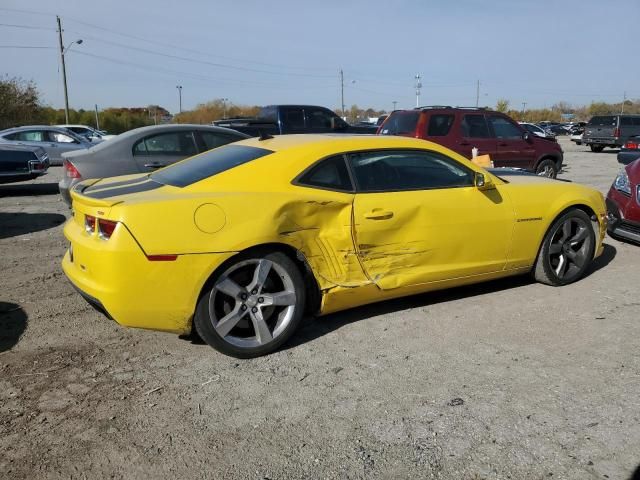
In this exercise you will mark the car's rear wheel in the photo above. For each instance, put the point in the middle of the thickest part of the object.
(547, 168)
(567, 249)
(596, 148)
(253, 306)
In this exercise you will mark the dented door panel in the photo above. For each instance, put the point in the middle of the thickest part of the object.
(431, 235)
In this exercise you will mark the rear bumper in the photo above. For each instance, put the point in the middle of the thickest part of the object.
(116, 277)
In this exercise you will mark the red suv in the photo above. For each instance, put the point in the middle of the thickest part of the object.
(493, 133)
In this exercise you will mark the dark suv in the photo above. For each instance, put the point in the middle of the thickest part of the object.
(493, 133)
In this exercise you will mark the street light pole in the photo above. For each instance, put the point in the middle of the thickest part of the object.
(418, 87)
(179, 87)
(395, 102)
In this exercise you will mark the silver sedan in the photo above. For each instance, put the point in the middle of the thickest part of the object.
(142, 150)
(55, 141)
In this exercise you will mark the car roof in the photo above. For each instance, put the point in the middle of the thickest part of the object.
(337, 142)
(35, 127)
(137, 133)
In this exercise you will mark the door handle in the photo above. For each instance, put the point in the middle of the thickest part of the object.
(154, 165)
(503, 144)
(464, 143)
(378, 214)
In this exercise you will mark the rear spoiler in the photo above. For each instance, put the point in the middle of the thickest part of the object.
(76, 194)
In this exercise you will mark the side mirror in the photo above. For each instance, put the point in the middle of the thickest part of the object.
(483, 182)
(526, 136)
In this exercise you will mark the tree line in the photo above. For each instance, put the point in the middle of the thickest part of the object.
(21, 104)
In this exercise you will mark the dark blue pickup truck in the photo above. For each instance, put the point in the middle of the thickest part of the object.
(290, 119)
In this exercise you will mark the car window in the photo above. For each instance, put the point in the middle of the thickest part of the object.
(503, 128)
(214, 140)
(292, 118)
(626, 121)
(381, 171)
(207, 165)
(28, 136)
(80, 130)
(401, 123)
(318, 118)
(171, 144)
(636, 121)
(603, 121)
(331, 174)
(60, 138)
(439, 125)
(474, 126)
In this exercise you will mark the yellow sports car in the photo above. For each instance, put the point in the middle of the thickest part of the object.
(239, 242)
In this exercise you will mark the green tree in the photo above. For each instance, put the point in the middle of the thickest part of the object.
(19, 102)
(502, 105)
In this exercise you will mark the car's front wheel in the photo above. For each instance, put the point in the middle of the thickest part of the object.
(596, 148)
(567, 249)
(253, 306)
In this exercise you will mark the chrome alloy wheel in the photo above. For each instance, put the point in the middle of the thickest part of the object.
(252, 303)
(547, 171)
(569, 247)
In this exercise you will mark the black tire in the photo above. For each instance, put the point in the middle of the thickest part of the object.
(547, 168)
(230, 295)
(555, 265)
(596, 148)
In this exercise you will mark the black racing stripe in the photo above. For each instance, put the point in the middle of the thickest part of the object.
(115, 192)
(99, 186)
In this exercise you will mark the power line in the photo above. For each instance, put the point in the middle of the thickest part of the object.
(29, 27)
(199, 52)
(25, 46)
(173, 73)
(203, 62)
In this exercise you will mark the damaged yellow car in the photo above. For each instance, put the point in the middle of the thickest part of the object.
(239, 242)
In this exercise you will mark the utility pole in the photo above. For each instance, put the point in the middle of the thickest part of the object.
(97, 120)
(179, 87)
(624, 99)
(477, 93)
(418, 87)
(342, 92)
(524, 105)
(64, 72)
(224, 107)
(394, 104)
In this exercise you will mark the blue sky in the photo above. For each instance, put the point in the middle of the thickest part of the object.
(134, 53)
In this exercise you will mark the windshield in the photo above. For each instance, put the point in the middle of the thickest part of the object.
(207, 165)
(401, 123)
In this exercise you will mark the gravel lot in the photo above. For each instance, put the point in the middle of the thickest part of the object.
(508, 379)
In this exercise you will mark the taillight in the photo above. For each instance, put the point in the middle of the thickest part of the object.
(89, 224)
(106, 228)
(70, 170)
(616, 132)
(632, 145)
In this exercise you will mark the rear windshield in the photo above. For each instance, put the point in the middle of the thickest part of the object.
(400, 123)
(603, 121)
(207, 165)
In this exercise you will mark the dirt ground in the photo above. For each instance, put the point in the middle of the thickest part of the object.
(508, 379)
